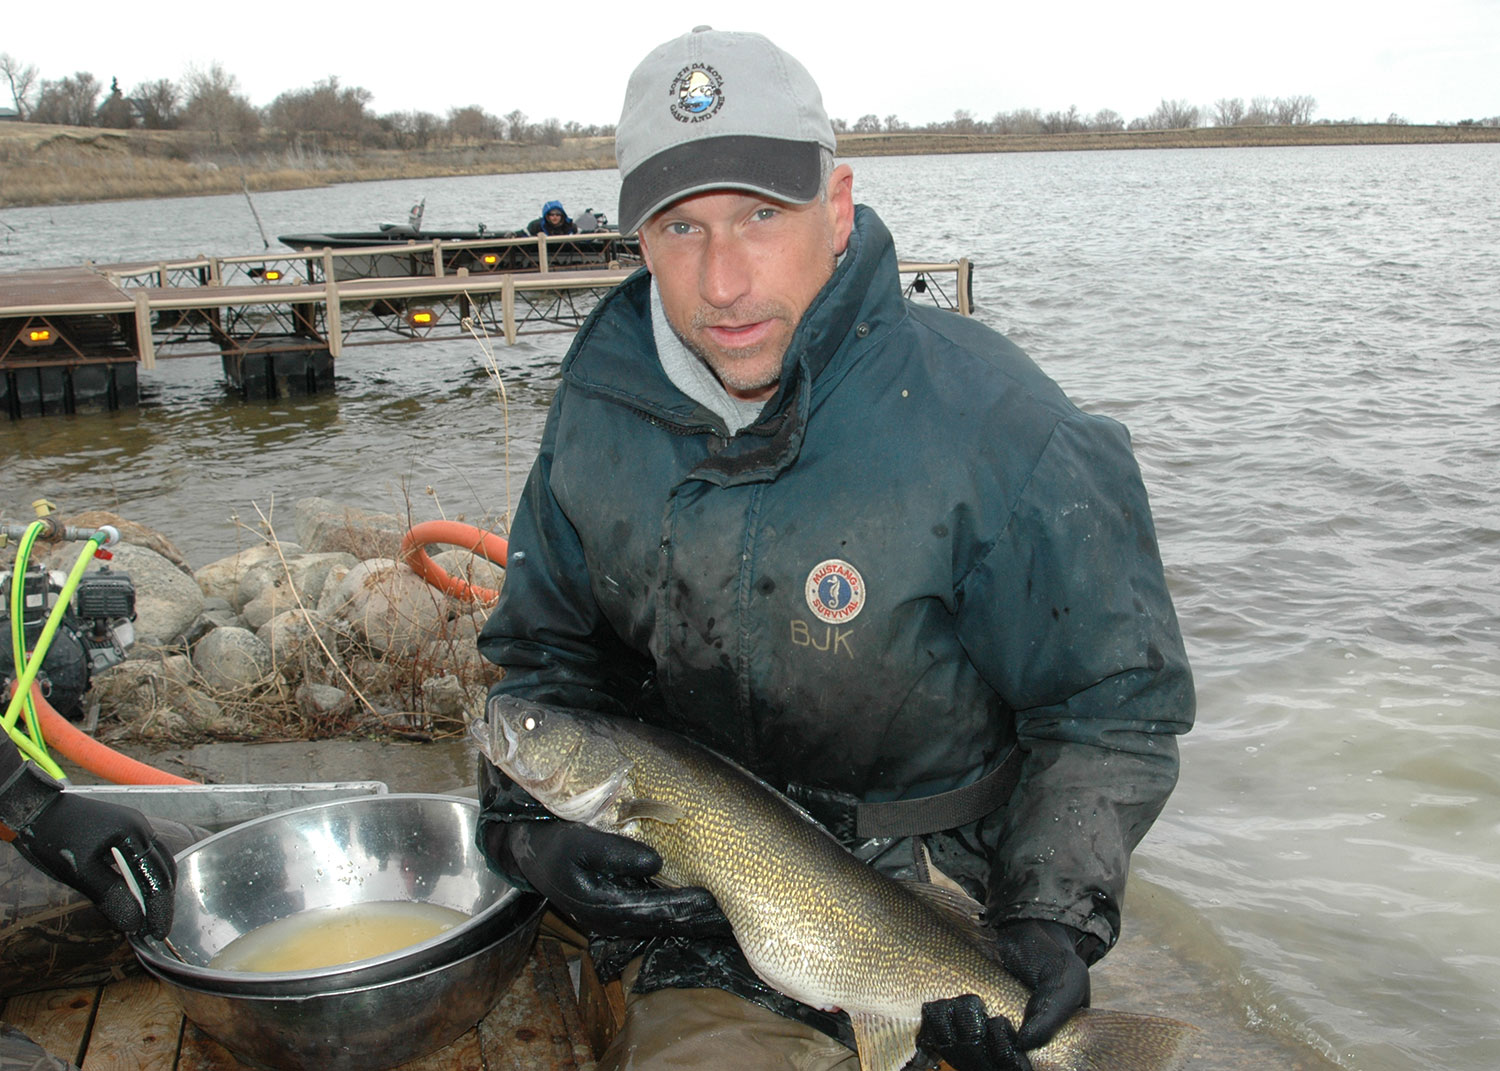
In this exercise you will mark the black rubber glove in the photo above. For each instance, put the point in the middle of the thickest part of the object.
(601, 880)
(70, 837)
(1045, 957)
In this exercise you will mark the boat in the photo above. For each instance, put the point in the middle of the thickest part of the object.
(401, 249)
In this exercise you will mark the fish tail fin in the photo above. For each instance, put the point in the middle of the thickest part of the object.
(1118, 1041)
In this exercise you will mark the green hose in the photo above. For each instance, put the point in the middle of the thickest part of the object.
(34, 746)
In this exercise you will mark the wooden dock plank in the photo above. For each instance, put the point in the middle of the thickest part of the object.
(536, 1027)
(137, 1028)
(63, 287)
(57, 1020)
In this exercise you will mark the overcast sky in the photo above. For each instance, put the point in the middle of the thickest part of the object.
(1437, 61)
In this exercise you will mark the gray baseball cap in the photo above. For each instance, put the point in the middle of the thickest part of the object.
(715, 110)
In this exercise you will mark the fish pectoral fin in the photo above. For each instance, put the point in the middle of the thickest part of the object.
(884, 1044)
(650, 810)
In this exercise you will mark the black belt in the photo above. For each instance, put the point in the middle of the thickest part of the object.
(851, 819)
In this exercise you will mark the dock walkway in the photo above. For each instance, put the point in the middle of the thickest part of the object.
(72, 337)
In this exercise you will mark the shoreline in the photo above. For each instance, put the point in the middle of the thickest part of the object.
(42, 165)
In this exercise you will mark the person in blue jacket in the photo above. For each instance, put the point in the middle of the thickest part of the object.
(864, 548)
(553, 220)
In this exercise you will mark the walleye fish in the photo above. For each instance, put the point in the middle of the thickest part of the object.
(814, 922)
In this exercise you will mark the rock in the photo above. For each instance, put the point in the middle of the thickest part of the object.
(303, 573)
(328, 600)
(221, 579)
(216, 614)
(390, 608)
(470, 568)
(293, 638)
(272, 600)
(157, 701)
(445, 697)
(455, 649)
(323, 525)
(131, 532)
(317, 701)
(232, 660)
(178, 668)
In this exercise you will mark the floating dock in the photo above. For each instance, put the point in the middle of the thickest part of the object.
(74, 338)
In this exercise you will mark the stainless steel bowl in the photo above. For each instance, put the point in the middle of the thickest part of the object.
(366, 1028)
(407, 847)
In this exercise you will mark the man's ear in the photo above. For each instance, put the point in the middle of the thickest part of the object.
(841, 203)
(640, 234)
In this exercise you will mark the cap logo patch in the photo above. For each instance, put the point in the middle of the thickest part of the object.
(697, 93)
(835, 591)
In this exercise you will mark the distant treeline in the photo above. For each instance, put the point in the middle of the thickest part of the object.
(325, 116)
(330, 116)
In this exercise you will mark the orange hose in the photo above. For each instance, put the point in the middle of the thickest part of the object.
(99, 759)
(487, 545)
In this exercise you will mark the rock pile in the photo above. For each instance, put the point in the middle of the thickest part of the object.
(327, 634)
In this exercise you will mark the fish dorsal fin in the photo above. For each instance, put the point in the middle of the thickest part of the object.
(960, 909)
(949, 897)
(650, 810)
(884, 1044)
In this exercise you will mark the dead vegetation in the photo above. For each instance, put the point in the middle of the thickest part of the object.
(42, 164)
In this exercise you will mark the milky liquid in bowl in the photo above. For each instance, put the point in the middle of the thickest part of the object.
(326, 936)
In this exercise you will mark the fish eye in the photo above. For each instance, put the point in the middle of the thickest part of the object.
(530, 722)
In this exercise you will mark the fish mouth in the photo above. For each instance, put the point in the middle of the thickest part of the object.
(510, 738)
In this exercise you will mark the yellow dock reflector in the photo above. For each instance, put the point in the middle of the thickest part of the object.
(39, 336)
(421, 317)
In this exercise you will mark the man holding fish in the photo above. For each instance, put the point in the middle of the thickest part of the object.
(865, 550)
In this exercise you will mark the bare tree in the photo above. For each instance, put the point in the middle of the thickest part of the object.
(962, 122)
(1067, 122)
(1020, 121)
(867, 124)
(157, 103)
(1262, 112)
(1106, 119)
(1229, 111)
(515, 125)
(69, 101)
(22, 79)
(1295, 111)
(473, 123)
(1173, 115)
(893, 124)
(330, 112)
(214, 103)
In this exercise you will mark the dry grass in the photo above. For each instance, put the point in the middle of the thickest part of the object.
(41, 164)
(1203, 138)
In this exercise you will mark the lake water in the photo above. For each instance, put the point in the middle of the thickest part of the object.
(1305, 344)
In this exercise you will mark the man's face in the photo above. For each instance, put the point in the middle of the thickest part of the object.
(737, 270)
